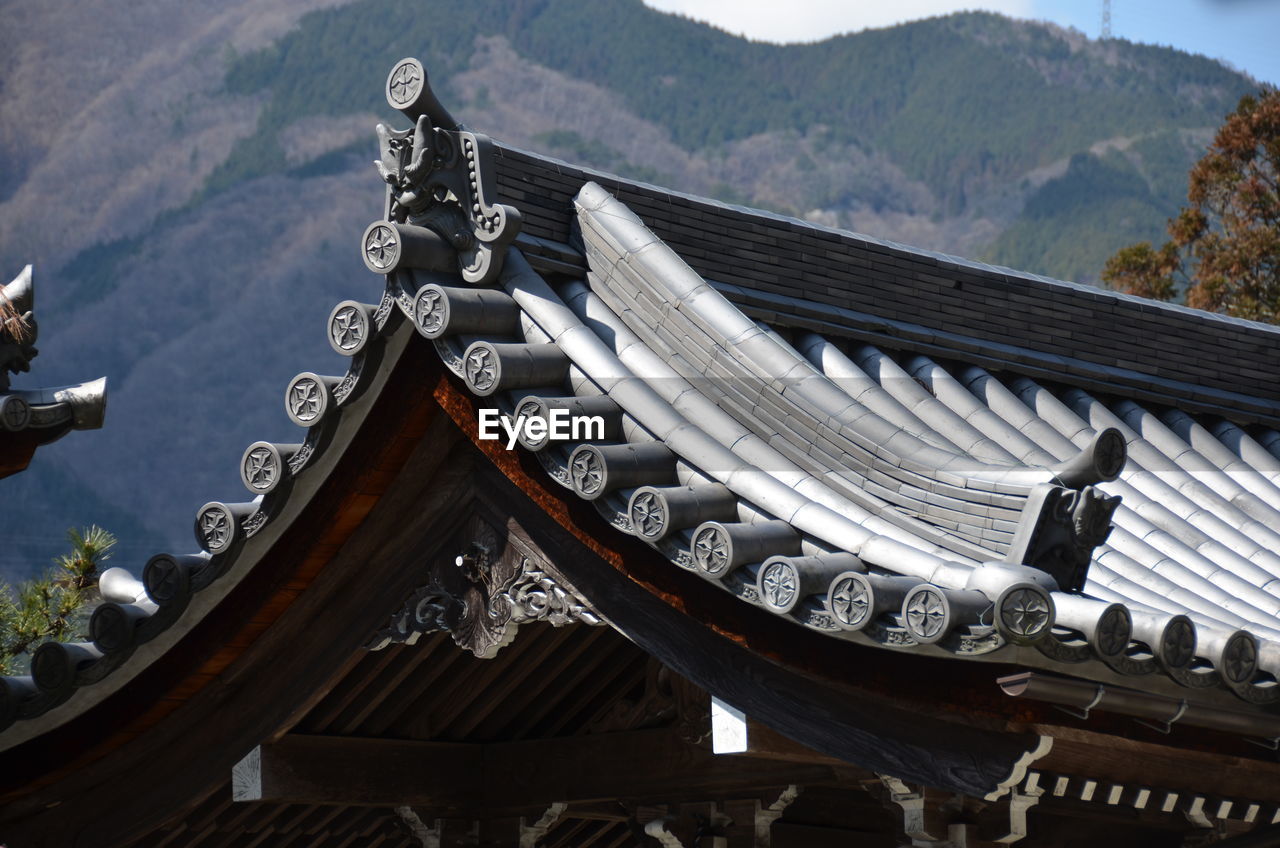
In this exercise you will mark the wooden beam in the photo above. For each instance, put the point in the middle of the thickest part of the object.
(478, 780)
(1132, 761)
(765, 743)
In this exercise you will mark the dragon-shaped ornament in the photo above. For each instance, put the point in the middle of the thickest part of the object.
(439, 177)
(1063, 524)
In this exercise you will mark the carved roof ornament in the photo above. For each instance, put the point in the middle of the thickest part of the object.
(1061, 525)
(1111, 638)
(381, 247)
(308, 397)
(429, 312)
(304, 400)
(586, 472)
(42, 414)
(1239, 659)
(216, 527)
(648, 515)
(850, 600)
(536, 596)
(265, 466)
(926, 614)
(711, 549)
(439, 177)
(15, 413)
(1025, 613)
(531, 408)
(350, 327)
(482, 596)
(260, 468)
(405, 83)
(1059, 530)
(482, 368)
(779, 584)
(1178, 642)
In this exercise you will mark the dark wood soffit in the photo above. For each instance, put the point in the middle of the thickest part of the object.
(225, 680)
(17, 450)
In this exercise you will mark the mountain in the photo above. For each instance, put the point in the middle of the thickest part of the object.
(190, 182)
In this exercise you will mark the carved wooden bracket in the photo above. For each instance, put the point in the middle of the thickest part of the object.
(530, 833)
(735, 823)
(481, 597)
(427, 836)
(938, 819)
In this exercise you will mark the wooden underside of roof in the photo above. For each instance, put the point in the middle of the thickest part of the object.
(281, 657)
(17, 451)
(552, 704)
(577, 713)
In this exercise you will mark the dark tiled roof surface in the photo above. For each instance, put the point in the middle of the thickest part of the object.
(1074, 328)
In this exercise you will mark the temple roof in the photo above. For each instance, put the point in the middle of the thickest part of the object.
(870, 443)
(33, 417)
(885, 495)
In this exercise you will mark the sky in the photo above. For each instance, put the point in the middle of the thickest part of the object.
(1244, 33)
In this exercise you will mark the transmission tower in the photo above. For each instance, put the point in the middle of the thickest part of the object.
(1106, 19)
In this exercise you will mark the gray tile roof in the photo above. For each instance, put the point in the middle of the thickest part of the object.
(880, 444)
(879, 492)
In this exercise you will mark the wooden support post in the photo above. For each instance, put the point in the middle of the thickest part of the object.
(459, 831)
(924, 819)
(752, 820)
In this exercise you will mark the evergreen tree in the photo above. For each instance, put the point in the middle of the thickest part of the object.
(56, 605)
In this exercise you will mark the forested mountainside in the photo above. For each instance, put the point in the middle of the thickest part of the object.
(191, 180)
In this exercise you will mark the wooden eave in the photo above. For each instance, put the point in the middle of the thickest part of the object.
(251, 666)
